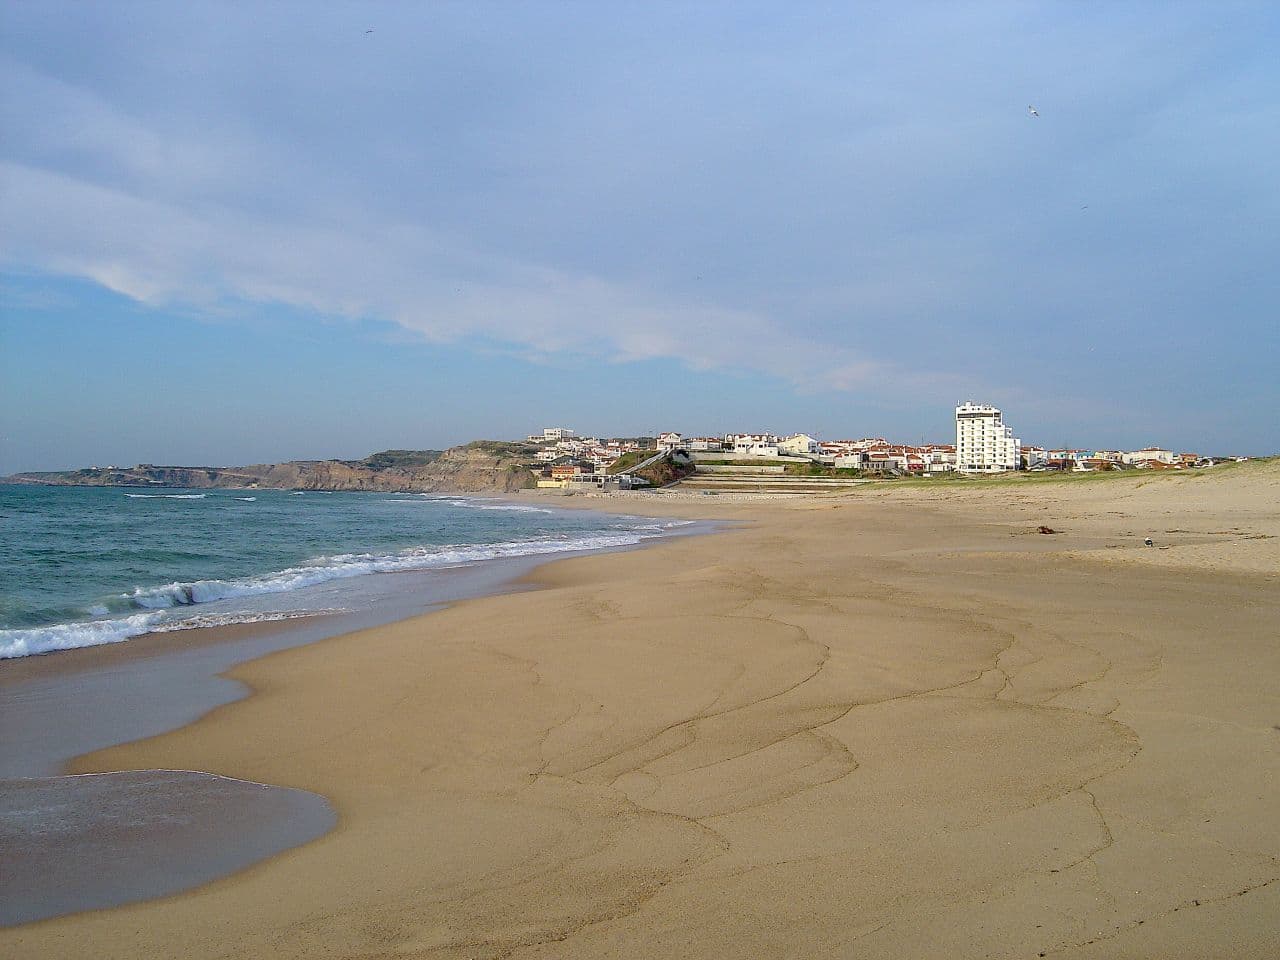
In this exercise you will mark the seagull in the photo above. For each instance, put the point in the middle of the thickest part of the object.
(1032, 111)
(368, 32)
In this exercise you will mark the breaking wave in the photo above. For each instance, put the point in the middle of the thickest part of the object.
(70, 636)
(477, 504)
(358, 564)
(155, 603)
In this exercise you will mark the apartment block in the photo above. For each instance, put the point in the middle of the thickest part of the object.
(984, 443)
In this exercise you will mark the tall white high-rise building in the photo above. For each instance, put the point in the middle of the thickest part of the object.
(983, 443)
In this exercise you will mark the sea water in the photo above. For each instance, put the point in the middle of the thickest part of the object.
(82, 566)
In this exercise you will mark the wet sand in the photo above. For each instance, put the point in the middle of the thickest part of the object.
(896, 723)
(75, 843)
(56, 707)
(82, 843)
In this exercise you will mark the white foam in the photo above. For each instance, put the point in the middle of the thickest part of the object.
(513, 507)
(203, 620)
(245, 499)
(357, 564)
(158, 602)
(68, 636)
(475, 503)
(71, 636)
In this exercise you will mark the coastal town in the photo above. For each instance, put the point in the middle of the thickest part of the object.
(559, 459)
(983, 445)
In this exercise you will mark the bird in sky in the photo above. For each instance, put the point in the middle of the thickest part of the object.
(368, 31)
(1032, 111)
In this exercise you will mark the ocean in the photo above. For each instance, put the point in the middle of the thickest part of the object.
(82, 566)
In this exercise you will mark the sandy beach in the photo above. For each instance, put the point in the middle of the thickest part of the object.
(892, 723)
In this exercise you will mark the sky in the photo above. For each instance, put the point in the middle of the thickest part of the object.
(236, 233)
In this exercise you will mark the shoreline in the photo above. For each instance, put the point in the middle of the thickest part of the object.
(198, 658)
(192, 667)
(414, 593)
(702, 745)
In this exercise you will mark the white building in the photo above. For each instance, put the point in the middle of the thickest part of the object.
(886, 460)
(669, 441)
(983, 443)
(1159, 454)
(703, 444)
(557, 433)
(798, 445)
(939, 459)
(752, 444)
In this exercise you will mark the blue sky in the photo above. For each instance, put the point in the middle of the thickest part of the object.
(233, 234)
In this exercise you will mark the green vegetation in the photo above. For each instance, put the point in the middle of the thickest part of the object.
(629, 460)
(665, 471)
(519, 450)
(1024, 478)
(745, 462)
(398, 459)
(818, 470)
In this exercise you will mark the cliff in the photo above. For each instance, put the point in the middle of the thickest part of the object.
(486, 466)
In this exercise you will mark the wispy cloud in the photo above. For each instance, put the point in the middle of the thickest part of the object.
(850, 199)
(439, 287)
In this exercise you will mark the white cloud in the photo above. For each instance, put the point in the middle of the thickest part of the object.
(162, 253)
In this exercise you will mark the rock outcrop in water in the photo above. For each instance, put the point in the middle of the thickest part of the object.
(485, 466)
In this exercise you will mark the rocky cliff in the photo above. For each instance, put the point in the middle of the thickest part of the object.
(486, 466)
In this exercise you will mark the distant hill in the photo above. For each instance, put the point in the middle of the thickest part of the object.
(480, 467)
